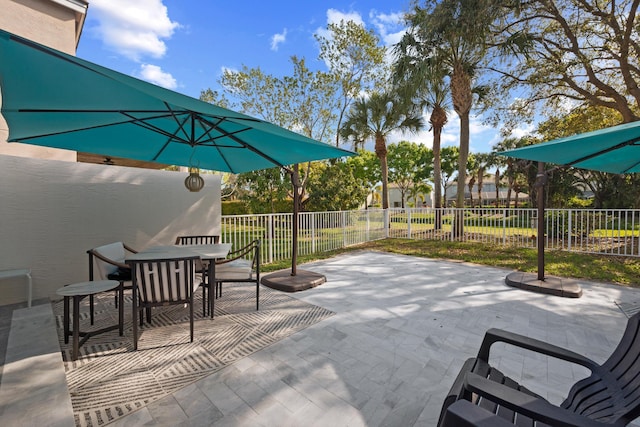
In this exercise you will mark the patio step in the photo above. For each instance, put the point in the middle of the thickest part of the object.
(34, 389)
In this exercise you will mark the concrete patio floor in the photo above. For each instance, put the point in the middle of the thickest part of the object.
(402, 329)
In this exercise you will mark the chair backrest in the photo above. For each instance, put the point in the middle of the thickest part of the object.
(197, 240)
(612, 394)
(165, 280)
(113, 251)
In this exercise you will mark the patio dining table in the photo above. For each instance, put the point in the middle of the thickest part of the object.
(205, 252)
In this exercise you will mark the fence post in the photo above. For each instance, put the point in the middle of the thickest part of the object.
(570, 226)
(270, 234)
(344, 229)
(313, 232)
(368, 229)
(504, 226)
(386, 223)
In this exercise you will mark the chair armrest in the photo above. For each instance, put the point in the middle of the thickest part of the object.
(465, 414)
(239, 253)
(498, 335)
(109, 261)
(531, 406)
(128, 248)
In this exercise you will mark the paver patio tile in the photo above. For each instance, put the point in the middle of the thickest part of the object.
(402, 329)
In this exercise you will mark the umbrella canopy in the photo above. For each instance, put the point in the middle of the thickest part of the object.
(615, 149)
(56, 100)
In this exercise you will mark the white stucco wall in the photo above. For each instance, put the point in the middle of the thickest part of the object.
(52, 212)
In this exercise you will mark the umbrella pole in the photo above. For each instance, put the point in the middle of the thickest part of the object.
(541, 182)
(295, 182)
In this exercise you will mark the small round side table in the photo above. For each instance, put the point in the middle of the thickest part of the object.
(78, 291)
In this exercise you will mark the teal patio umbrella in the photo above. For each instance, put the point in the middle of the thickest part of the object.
(56, 100)
(614, 149)
(53, 99)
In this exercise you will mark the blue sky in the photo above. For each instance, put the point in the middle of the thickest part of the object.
(185, 45)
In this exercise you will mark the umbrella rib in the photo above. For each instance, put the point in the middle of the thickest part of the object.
(241, 142)
(605, 151)
(144, 124)
(133, 120)
(44, 135)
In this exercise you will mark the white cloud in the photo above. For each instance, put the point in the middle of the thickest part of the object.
(278, 39)
(133, 28)
(390, 26)
(479, 134)
(154, 74)
(525, 130)
(335, 16)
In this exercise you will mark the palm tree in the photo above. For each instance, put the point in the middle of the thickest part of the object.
(454, 33)
(375, 117)
(424, 80)
(472, 169)
(483, 161)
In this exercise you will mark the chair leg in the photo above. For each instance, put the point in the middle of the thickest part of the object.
(121, 309)
(191, 316)
(204, 300)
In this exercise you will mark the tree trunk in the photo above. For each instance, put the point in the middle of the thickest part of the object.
(497, 181)
(438, 120)
(480, 185)
(462, 98)
(381, 153)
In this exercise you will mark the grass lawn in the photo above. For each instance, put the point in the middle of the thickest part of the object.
(609, 269)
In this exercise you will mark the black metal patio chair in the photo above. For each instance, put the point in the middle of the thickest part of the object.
(610, 396)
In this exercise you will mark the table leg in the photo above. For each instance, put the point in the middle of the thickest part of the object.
(66, 320)
(134, 305)
(121, 309)
(76, 327)
(212, 285)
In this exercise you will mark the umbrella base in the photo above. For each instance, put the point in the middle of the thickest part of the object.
(284, 281)
(551, 285)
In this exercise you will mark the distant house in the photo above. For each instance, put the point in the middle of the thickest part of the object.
(488, 194)
(426, 200)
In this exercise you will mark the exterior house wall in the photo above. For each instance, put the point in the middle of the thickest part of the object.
(52, 212)
(53, 23)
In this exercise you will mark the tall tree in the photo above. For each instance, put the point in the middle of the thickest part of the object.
(449, 157)
(472, 170)
(299, 101)
(376, 117)
(567, 50)
(268, 188)
(483, 161)
(405, 166)
(421, 78)
(366, 168)
(354, 58)
(335, 187)
(454, 33)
